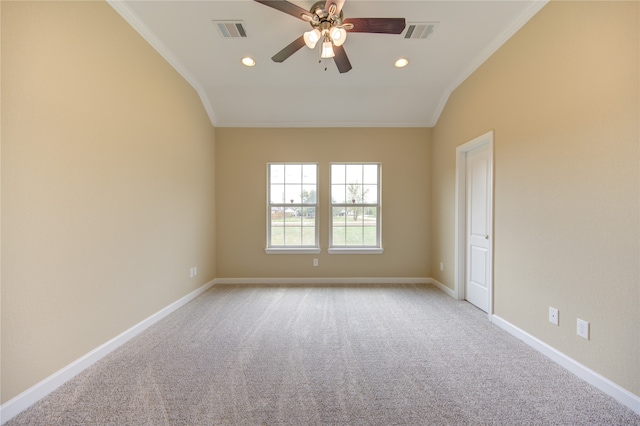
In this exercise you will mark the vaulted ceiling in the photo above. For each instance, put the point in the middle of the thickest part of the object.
(304, 91)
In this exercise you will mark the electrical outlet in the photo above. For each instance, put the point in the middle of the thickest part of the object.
(315, 262)
(583, 329)
(554, 316)
(442, 266)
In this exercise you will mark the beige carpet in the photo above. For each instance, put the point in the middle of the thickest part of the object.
(326, 355)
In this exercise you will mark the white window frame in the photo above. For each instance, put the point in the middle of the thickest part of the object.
(343, 249)
(291, 249)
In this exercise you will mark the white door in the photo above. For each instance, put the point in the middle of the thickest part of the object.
(478, 225)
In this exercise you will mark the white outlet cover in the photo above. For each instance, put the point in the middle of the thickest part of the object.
(583, 329)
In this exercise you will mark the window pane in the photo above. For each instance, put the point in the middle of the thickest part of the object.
(309, 174)
(292, 236)
(277, 173)
(338, 235)
(277, 214)
(293, 173)
(354, 193)
(370, 237)
(354, 236)
(337, 194)
(370, 215)
(354, 173)
(309, 213)
(292, 194)
(337, 173)
(338, 221)
(277, 234)
(370, 229)
(339, 214)
(308, 220)
(277, 194)
(355, 217)
(308, 194)
(370, 173)
(370, 194)
(308, 236)
(292, 229)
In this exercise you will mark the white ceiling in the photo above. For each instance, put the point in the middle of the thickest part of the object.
(299, 92)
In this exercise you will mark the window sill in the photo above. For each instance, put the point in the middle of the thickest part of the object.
(359, 250)
(313, 250)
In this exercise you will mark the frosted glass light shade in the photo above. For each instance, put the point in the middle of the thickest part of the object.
(338, 35)
(311, 38)
(327, 50)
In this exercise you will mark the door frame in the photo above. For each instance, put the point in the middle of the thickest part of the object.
(461, 215)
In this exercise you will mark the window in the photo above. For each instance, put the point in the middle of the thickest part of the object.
(355, 208)
(292, 207)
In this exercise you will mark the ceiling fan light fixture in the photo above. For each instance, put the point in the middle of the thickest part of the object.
(327, 50)
(328, 23)
(311, 38)
(338, 35)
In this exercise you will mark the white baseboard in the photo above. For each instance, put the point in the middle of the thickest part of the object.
(14, 406)
(605, 385)
(318, 280)
(443, 287)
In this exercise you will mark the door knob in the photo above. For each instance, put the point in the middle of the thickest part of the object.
(486, 237)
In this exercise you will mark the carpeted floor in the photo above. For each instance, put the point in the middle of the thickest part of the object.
(326, 355)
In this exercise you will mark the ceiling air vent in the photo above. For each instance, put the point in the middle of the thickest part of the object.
(420, 29)
(230, 29)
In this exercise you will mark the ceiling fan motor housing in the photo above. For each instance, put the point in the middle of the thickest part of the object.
(323, 19)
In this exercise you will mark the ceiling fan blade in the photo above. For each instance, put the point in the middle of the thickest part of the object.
(286, 7)
(376, 25)
(338, 3)
(289, 50)
(341, 59)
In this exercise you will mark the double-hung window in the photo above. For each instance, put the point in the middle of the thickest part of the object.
(292, 208)
(355, 208)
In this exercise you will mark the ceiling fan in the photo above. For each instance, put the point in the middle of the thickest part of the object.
(328, 25)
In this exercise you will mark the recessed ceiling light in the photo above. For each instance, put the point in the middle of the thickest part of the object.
(248, 61)
(401, 63)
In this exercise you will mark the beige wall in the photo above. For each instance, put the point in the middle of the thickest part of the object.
(107, 185)
(241, 160)
(563, 99)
